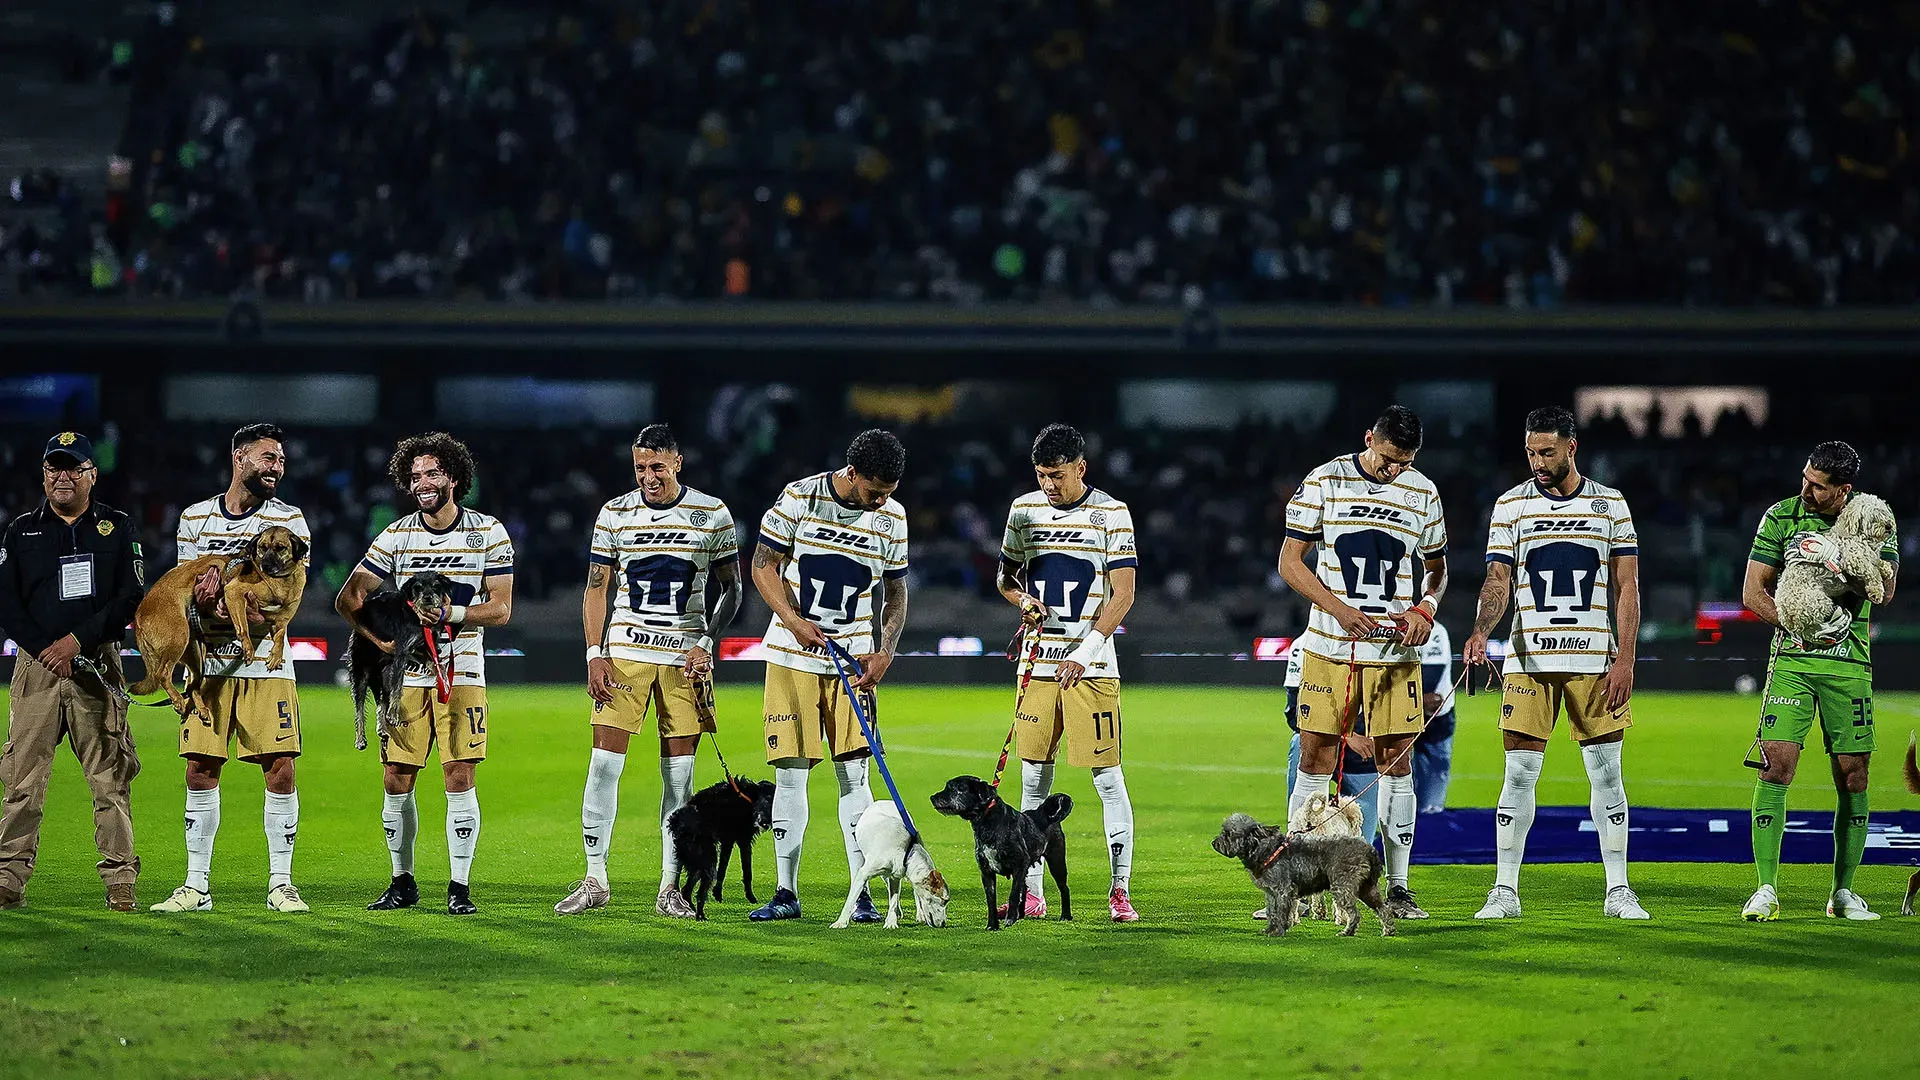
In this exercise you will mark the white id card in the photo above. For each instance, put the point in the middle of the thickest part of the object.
(76, 577)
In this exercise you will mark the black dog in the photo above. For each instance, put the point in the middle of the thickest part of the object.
(386, 612)
(706, 830)
(1008, 842)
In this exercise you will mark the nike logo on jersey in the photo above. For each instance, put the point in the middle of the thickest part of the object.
(437, 543)
(658, 517)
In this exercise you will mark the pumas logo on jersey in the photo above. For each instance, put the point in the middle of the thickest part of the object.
(1555, 525)
(1060, 536)
(434, 562)
(659, 536)
(842, 537)
(1370, 512)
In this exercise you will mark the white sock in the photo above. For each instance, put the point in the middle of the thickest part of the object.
(599, 805)
(463, 831)
(1398, 807)
(855, 797)
(1116, 810)
(789, 824)
(1305, 786)
(1609, 807)
(1036, 783)
(282, 822)
(1514, 816)
(401, 818)
(203, 822)
(676, 787)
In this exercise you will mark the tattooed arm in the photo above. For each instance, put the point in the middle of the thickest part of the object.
(767, 580)
(594, 604)
(726, 573)
(1494, 594)
(893, 619)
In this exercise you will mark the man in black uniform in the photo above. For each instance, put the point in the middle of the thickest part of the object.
(70, 579)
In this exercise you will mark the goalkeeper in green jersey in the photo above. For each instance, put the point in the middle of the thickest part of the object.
(1805, 679)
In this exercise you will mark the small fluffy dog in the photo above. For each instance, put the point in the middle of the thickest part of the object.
(1289, 867)
(390, 614)
(716, 820)
(892, 854)
(1325, 818)
(270, 569)
(1825, 570)
(1007, 842)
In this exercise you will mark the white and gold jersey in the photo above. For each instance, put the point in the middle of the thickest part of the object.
(1372, 537)
(1560, 549)
(1066, 553)
(660, 556)
(837, 553)
(206, 528)
(474, 549)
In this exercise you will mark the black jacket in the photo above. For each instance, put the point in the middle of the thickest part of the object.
(31, 611)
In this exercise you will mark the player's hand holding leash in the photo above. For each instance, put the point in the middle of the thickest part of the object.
(807, 633)
(873, 667)
(1475, 651)
(697, 664)
(1358, 624)
(1417, 625)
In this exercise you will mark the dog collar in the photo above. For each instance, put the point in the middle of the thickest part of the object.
(1285, 843)
(991, 803)
(735, 785)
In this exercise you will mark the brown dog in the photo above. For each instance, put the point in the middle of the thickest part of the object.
(270, 571)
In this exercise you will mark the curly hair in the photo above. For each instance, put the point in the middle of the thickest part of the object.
(1058, 444)
(878, 455)
(454, 457)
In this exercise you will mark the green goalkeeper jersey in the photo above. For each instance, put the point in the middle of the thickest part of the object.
(1851, 658)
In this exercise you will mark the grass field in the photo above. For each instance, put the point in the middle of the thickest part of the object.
(1192, 990)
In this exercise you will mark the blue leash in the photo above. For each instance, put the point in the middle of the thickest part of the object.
(872, 734)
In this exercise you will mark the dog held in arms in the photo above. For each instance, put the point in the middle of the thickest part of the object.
(270, 571)
(1826, 574)
(893, 853)
(719, 818)
(1288, 867)
(390, 613)
(1007, 842)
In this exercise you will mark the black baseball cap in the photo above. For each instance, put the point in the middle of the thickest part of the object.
(70, 444)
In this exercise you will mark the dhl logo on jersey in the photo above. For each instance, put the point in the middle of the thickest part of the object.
(434, 562)
(659, 536)
(827, 535)
(1554, 525)
(1374, 513)
(1060, 536)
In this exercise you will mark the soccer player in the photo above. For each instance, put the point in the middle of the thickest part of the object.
(473, 551)
(652, 551)
(249, 701)
(1806, 677)
(1374, 522)
(829, 543)
(1570, 544)
(1074, 547)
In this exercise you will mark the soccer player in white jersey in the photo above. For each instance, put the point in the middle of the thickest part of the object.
(249, 701)
(1569, 544)
(1381, 538)
(1069, 558)
(473, 551)
(826, 547)
(650, 644)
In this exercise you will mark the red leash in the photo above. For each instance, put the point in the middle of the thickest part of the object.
(1026, 676)
(442, 678)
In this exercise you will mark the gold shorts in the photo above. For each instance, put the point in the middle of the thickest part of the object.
(1388, 696)
(1088, 715)
(459, 726)
(263, 714)
(810, 716)
(685, 707)
(1530, 704)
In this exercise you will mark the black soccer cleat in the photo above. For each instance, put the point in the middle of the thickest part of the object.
(404, 892)
(459, 901)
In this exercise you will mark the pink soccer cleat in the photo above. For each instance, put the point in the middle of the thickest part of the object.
(1121, 907)
(1036, 907)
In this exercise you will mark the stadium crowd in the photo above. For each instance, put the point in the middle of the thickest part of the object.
(1388, 152)
(1208, 505)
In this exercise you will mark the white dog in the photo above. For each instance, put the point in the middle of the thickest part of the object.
(1325, 818)
(892, 854)
(1823, 569)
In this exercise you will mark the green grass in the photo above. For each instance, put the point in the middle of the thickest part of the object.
(1193, 990)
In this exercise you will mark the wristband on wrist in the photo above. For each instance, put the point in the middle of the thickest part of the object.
(705, 644)
(1088, 649)
(596, 652)
(457, 613)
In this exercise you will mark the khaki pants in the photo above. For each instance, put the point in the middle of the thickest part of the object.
(42, 709)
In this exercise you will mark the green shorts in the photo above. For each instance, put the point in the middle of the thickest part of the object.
(1845, 707)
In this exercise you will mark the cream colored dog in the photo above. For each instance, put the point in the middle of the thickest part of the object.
(892, 853)
(1823, 570)
(1324, 818)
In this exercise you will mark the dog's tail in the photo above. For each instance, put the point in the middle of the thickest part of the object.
(1056, 808)
(1913, 767)
(685, 827)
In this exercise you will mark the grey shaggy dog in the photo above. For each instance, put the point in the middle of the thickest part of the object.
(1345, 866)
(1817, 599)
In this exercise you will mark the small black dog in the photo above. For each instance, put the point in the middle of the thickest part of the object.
(706, 830)
(1008, 842)
(386, 613)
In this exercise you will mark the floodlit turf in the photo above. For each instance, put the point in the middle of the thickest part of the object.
(1192, 990)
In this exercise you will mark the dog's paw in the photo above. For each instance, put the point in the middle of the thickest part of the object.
(841, 925)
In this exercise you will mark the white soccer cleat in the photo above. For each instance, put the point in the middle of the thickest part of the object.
(586, 896)
(1846, 904)
(185, 898)
(286, 900)
(1502, 903)
(1762, 906)
(1623, 904)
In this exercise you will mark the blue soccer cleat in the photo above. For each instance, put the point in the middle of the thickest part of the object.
(784, 905)
(864, 911)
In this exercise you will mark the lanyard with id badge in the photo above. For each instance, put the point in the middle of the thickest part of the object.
(76, 576)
